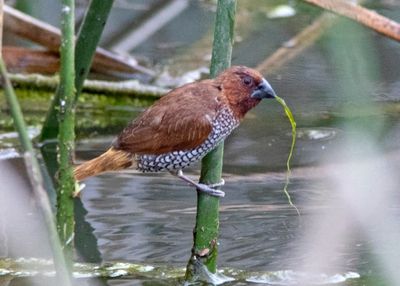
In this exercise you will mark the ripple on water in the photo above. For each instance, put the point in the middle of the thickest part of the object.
(290, 277)
(317, 133)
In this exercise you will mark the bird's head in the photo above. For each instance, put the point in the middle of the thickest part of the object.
(244, 88)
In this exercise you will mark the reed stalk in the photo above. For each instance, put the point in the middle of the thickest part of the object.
(60, 121)
(364, 16)
(66, 136)
(36, 178)
(205, 247)
(33, 168)
(88, 38)
(87, 41)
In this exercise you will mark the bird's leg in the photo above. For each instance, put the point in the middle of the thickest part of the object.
(202, 187)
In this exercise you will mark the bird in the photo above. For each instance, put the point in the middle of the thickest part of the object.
(183, 126)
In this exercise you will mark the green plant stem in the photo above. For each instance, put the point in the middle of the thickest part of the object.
(88, 38)
(66, 137)
(289, 115)
(206, 230)
(35, 177)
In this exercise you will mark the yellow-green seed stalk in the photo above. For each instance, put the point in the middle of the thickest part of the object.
(289, 115)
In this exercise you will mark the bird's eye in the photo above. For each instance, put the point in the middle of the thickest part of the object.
(247, 80)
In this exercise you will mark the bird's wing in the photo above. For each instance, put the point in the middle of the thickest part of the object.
(180, 120)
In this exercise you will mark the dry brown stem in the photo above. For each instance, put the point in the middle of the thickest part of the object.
(25, 60)
(296, 45)
(48, 36)
(369, 18)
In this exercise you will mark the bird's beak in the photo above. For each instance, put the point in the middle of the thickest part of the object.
(263, 90)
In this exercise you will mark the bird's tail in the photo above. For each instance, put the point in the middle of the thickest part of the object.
(111, 160)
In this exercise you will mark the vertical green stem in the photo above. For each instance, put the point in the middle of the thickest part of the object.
(33, 169)
(66, 137)
(35, 177)
(207, 219)
(88, 38)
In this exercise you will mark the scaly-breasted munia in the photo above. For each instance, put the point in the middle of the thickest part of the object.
(183, 126)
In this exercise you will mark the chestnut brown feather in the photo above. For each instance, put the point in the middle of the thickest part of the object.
(182, 119)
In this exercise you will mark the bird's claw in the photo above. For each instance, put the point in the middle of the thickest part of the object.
(208, 189)
(220, 184)
(78, 189)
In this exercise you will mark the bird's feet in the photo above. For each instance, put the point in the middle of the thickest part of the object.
(208, 189)
(78, 188)
(220, 184)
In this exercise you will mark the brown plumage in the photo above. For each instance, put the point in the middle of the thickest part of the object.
(184, 125)
(179, 120)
